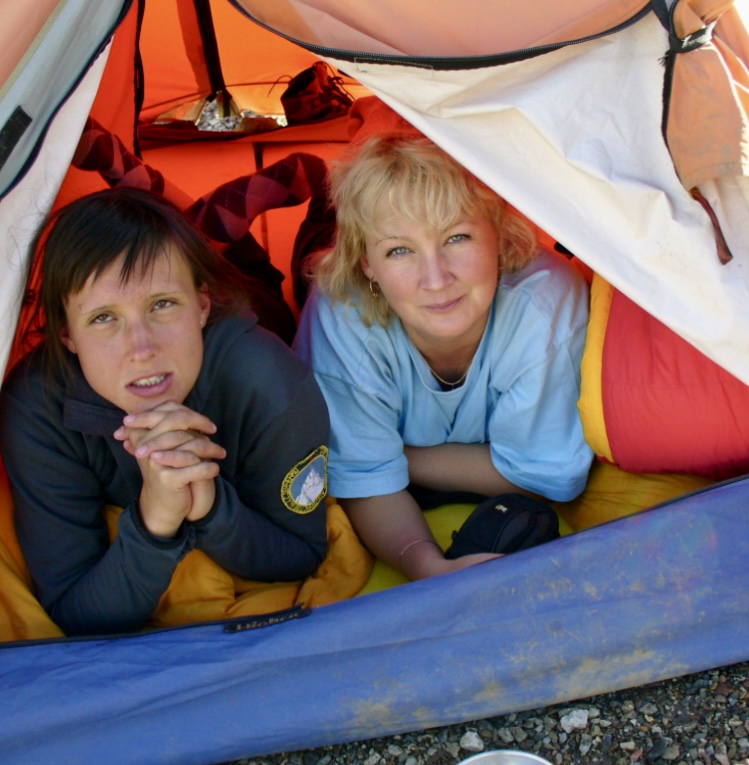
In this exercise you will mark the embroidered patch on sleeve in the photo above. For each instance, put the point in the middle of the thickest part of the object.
(306, 484)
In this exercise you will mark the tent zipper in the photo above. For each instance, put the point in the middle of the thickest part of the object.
(444, 63)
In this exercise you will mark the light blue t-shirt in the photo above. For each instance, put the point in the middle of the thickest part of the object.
(520, 394)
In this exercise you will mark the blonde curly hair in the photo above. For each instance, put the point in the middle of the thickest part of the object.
(422, 182)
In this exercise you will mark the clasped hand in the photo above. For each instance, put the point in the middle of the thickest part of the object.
(177, 461)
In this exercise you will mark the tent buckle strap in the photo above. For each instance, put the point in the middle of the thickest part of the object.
(693, 41)
(664, 12)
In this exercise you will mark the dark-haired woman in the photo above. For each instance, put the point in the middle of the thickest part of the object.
(152, 394)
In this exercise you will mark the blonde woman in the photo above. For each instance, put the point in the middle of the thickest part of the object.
(447, 347)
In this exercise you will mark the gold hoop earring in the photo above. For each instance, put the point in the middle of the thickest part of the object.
(374, 288)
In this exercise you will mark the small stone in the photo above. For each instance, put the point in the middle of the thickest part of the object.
(471, 742)
(519, 735)
(628, 746)
(577, 719)
(454, 748)
(657, 749)
(672, 752)
(586, 743)
(506, 735)
(373, 759)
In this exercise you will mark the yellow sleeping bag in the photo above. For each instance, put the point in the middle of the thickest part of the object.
(200, 589)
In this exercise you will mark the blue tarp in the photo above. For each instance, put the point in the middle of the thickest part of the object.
(648, 597)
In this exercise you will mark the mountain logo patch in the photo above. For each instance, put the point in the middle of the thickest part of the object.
(306, 484)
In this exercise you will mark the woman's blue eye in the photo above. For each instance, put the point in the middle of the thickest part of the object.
(397, 251)
(101, 318)
(458, 237)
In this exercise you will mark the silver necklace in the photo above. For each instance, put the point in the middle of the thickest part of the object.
(446, 382)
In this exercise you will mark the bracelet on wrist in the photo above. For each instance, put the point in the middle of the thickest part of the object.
(413, 544)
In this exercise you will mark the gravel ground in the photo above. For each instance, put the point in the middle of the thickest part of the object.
(701, 718)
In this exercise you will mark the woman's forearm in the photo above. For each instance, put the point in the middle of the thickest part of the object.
(456, 467)
(393, 528)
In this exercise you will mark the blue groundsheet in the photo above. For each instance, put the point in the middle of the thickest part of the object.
(652, 596)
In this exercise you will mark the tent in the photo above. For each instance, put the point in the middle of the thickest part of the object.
(620, 128)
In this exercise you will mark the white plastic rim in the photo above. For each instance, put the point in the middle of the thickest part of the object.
(505, 757)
